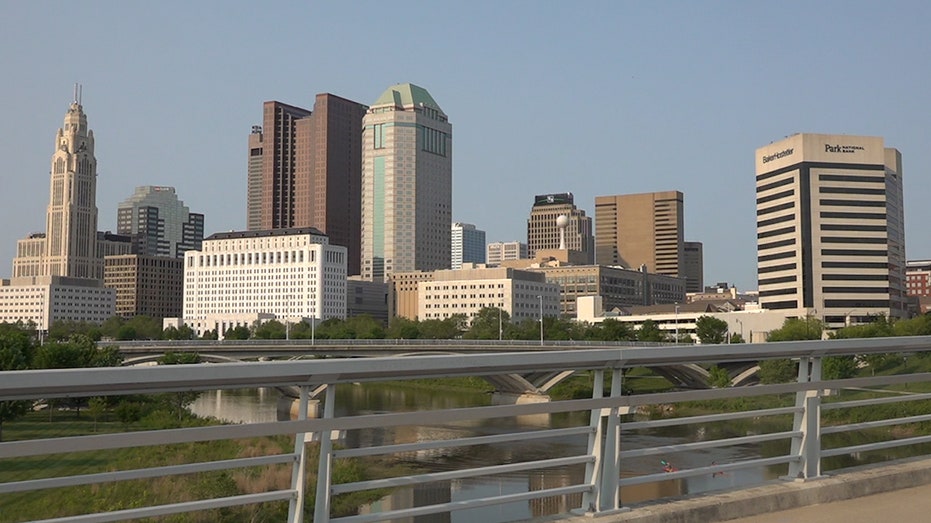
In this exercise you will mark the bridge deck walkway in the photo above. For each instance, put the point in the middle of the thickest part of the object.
(912, 504)
(891, 492)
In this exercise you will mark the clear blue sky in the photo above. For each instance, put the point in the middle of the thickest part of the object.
(594, 98)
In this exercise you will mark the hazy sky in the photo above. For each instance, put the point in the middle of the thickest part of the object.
(594, 98)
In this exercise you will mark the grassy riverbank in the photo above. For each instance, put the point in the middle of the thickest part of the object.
(42, 504)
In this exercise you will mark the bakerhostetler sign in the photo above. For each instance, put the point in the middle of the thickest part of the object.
(775, 156)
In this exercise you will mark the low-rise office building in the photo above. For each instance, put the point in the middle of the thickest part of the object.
(45, 300)
(524, 295)
(239, 277)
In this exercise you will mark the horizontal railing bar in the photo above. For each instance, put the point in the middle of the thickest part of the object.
(710, 444)
(53, 383)
(874, 401)
(462, 505)
(153, 472)
(708, 418)
(430, 477)
(460, 442)
(651, 478)
(874, 424)
(175, 508)
(840, 451)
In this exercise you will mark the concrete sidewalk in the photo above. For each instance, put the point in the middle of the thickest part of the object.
(897, 492)
(913, 504)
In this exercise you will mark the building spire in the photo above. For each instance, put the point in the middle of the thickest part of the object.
(78, 93)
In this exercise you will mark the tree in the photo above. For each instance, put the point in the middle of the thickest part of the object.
(78, 352)
(270, 330)
(16, 350)
(178, 402)
(839, 367)
(611, 330)
(711, 330)
(96, 406)
(234, 333)
(793, 329)
(445, 329)
(488, 324)
(737, 338)
(718, 377)
(649, 331)
(403, 329)
(778, 371)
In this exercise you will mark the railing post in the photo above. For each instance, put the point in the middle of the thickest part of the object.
(807, 446)
(593, 471)
(610, 495)
(322, 503)
(299, 472)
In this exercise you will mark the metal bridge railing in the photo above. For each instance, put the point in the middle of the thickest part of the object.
(602, 485)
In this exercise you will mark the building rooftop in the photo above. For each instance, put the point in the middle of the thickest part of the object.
(294, 231)
(407, 95)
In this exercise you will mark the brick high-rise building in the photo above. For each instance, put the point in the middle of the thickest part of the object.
(311, 171)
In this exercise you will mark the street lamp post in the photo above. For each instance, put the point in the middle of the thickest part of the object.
(540, 297)
(500, 324)
(677, 324)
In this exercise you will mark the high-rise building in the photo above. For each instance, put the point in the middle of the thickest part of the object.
(831, 228)
(159, 223)
(279, 150)
(468, 245)
(328, 181)
(544, 233)
(406, 184)
(498, 252)
(694, 271)
(254, 185)
(58, 275)
(634, 230)
(305, 170)
(71, 223)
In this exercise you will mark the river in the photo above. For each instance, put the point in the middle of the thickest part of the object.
(261, 405)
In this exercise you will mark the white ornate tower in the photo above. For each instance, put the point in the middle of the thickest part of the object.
(71, 223)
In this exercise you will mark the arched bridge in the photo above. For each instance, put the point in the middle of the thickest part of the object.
(690, 376)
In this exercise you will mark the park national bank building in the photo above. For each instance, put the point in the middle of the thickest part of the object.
(830, 228)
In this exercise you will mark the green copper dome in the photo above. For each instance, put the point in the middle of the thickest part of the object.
(406, 95)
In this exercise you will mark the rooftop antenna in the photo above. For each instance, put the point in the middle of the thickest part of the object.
(80, 94)
(75, 92)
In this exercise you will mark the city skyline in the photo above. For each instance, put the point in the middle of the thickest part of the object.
(667, 97)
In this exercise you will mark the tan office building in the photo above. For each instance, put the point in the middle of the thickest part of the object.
(830, 228)
(544, 233)
(634, 230)
(524, 295)
(406, 184)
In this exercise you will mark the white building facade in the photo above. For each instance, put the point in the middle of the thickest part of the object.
(498, 252)
(522, 294)
(44, 300)
(242, 277)
(468, 245)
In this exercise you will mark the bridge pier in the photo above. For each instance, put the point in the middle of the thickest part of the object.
(289, 408)
(518, 398)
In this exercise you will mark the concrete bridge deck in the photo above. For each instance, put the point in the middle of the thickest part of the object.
(899, 492)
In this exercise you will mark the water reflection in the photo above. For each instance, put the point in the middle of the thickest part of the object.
(261, 406)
